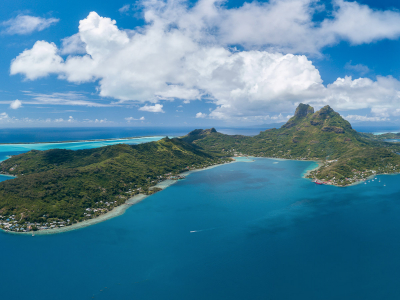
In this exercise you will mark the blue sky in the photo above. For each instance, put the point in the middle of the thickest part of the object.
(176, 63)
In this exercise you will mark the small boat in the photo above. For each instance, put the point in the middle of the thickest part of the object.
(384, 185)
(319, 183)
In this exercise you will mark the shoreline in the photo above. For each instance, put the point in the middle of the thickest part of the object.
(120, 210)
(307, 172)
(86, 141)
(117, 211)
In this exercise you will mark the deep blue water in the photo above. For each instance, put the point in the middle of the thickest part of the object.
(45, 135)
(239, 231)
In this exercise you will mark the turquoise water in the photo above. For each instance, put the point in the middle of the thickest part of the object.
(14, 149)
(254, 230)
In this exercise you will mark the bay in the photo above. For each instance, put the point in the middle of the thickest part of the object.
(6, 150)
(246, 230)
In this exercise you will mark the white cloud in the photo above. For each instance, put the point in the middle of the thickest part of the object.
(124, 8)
(360, 24)
(100, 121)
(69, 120)
(69, 98)
(365, 118)
(156, 108)
(3, 116)
(201, 115)
(360, 68)
(382, 112)
(133, 119)
(184, 53)
(287, 25)
(15, 104)
(24, 24)
(73, 45)
(40, 61)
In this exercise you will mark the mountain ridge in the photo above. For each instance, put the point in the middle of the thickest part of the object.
(65, 186)
(320, 136)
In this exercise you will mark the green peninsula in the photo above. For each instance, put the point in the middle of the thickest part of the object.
(61, 187)
(346, 156)
(57, 188)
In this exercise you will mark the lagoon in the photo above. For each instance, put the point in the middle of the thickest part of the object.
(247, 230)
(17, 148)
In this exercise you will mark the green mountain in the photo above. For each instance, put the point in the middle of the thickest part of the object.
(64, 186)
(60, 185)
(324, 136)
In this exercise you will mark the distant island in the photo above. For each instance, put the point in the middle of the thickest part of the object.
(57, 188)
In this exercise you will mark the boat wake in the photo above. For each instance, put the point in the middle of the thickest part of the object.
(201, 230)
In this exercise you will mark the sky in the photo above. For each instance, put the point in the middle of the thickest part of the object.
(196, 63)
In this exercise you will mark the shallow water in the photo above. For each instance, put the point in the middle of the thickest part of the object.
(14, 149)
(239, 231)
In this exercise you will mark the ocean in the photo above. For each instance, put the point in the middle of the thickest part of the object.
(245, 230)
(45, 135)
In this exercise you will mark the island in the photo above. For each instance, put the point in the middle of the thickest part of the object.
(345, 156)
(58, 188)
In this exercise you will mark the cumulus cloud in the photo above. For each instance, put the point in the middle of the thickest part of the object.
(133, 119)
(69, 120)
(24, 24)
(201, 115)
(3, 116)
(156, 108)
(15, 104)
(40, 61)
(288, 25)
(73, 45)
(100, 121)
(185, 53)
(360, 24)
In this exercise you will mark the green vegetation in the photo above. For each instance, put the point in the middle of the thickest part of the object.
(381, 137)
(59, 187)
(324, 136)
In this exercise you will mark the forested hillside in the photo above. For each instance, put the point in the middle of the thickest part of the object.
(75, 185)
(347, 156)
